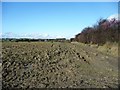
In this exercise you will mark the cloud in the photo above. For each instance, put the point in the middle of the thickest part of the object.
(113, 16)
(59, 36)
(27, 35)
(9, 35)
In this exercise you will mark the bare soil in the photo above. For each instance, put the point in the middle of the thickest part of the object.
(57, 65)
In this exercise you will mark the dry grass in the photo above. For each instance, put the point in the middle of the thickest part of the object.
(109, 48)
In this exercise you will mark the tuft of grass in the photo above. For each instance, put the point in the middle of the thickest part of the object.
(109, 48)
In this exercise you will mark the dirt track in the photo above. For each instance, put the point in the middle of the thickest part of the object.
(56, 65)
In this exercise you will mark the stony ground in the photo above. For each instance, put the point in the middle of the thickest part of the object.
(57, 65)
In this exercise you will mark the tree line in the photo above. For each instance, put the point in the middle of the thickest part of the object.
(33, 40)
(103, 31)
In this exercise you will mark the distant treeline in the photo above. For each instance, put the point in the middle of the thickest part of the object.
(104, 31)
(33, 40)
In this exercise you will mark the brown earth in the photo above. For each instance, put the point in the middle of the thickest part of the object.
(57, 65)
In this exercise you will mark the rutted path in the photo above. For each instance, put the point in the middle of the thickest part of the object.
(56, 65)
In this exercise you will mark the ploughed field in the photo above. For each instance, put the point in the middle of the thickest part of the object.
(57, 65)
